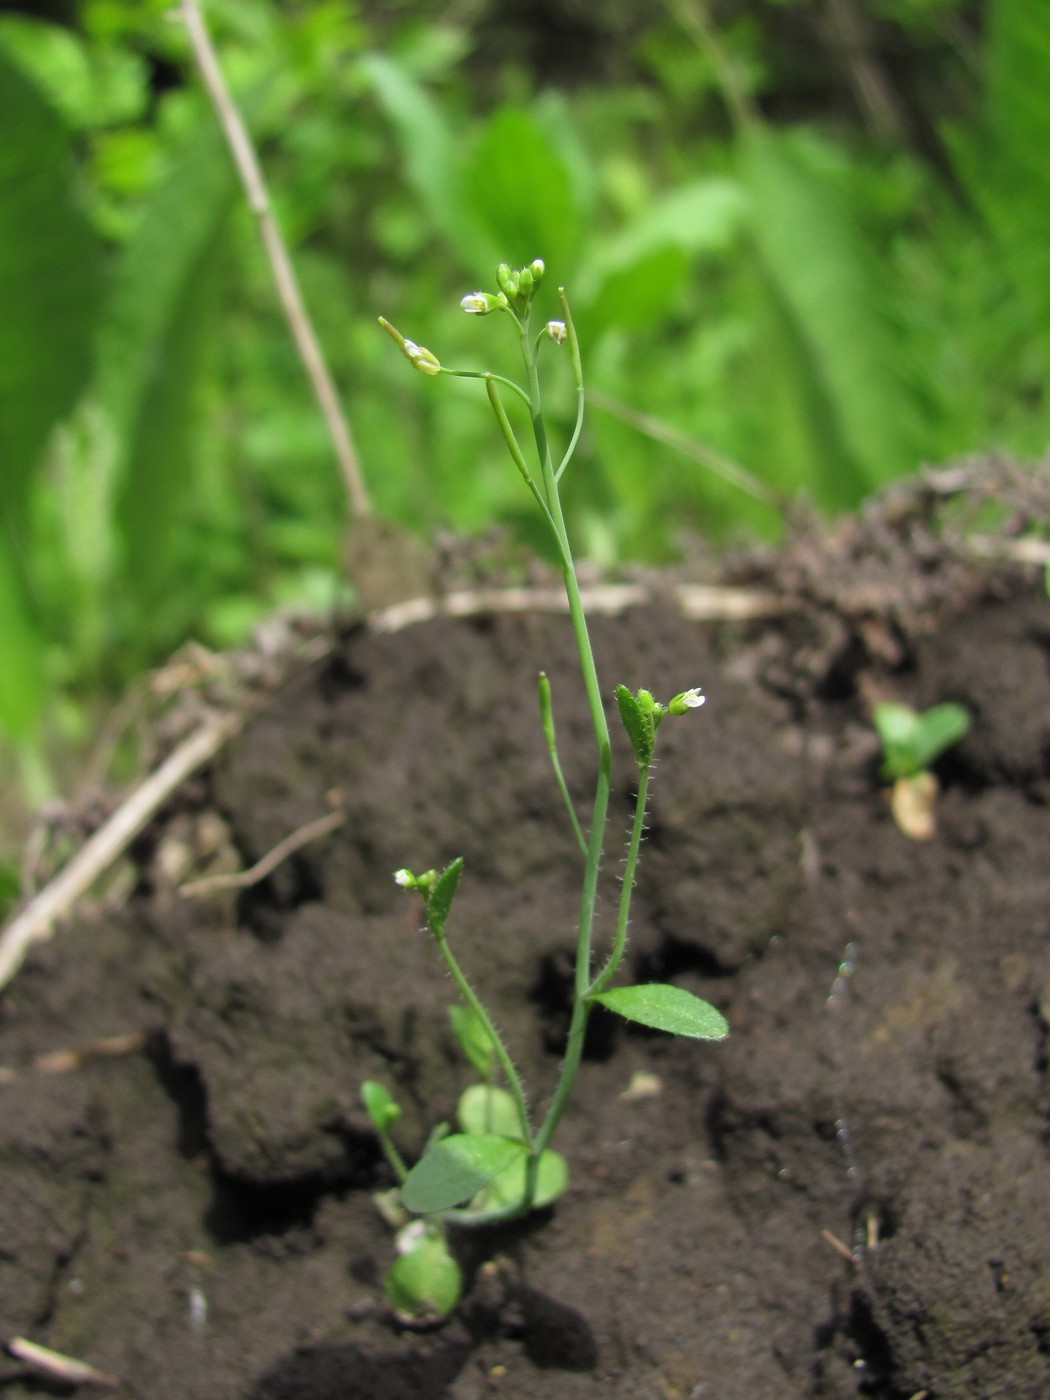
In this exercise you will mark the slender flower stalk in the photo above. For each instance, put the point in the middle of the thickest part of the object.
(458, 1178)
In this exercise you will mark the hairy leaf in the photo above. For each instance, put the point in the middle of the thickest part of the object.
(455, 1169)
(638, 724)
(441, 895)
(667, 1008)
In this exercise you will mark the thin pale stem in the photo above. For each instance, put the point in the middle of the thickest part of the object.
(514, 1084)
(251, 177)
(577, 371)
(547, 716)
(600, 811)
(515, 450)
(486, 374)
(393, 1156)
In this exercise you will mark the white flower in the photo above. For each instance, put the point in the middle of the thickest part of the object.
(404, 878)
(477, 304)
(556, 330)
(687, 700)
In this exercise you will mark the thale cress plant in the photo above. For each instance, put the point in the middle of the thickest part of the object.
(500, 1163)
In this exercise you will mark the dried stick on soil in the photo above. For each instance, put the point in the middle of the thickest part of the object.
(244, 879)
(36, 923)
(699, 602)
(251, 176)
(58, 1367)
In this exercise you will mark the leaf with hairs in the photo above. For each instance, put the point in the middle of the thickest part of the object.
(663, 1007)
(456, 1168)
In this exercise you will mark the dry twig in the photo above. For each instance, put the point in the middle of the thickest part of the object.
(36, 923)
(250, 172)
(58, 1367)
(244, 879)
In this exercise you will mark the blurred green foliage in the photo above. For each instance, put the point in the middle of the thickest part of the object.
(810, 236)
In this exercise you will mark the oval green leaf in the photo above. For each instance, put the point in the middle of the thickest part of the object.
(455, 1169)
(666, 1008)
(474, 1040)
(508, 1189)
(485, 1109)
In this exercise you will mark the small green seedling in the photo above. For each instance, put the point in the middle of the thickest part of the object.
(912, 740)
(498, 1162)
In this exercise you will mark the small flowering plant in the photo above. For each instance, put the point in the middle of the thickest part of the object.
(499, 1163)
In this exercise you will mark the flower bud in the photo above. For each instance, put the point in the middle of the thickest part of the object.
(687, 700)
(506, 281)
(405, 879)
(537, 270)
(525, 282)
(557, 332)
(421, 358)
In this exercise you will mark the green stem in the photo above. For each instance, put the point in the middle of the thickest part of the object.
(547, 717)
(600, 812)
(627, 889)
(577, 372)
(487, 374)
(502, 1054)
(393, 1156)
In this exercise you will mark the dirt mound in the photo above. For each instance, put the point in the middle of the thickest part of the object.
(848, 1197)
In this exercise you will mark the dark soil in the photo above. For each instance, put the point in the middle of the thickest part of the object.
(848, 1197)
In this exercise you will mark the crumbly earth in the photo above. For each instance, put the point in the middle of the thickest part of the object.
(849, 1197)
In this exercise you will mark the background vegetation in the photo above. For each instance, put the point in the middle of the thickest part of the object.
(810, 235)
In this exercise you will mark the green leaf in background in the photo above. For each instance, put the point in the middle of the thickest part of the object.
(1013, 181)
(433, 163)
(90, 88)
(666, 1008)
(829, 288)
(634, 278)
(913, 739)
(50, 291)
(165, 292)
(455, 1169)
(522, 192)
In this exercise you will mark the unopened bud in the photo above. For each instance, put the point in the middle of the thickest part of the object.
(422, 359)
(506, 280)
(537, 270)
